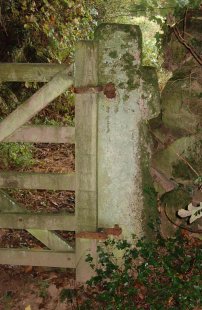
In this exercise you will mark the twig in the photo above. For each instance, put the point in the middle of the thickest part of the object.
(186, 162)
(188, 46)
(180, 156)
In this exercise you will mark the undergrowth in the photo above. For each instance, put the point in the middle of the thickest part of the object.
(160, 274)
(16, 155)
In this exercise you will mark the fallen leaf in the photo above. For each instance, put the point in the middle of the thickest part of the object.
(53, 291)
(28, 269)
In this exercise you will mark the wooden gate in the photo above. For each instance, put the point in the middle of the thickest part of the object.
(14, 129)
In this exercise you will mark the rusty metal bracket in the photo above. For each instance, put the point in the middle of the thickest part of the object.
(101, 233)
(108, 89)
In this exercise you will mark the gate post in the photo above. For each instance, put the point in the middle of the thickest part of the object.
(86, 154)
(123, 138)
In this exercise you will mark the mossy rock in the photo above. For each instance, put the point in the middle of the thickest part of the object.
(176, 200)
(150, 213)
(181, 102)
(179, 160)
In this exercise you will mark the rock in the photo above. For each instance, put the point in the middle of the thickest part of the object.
(179, 160)
(181, 102)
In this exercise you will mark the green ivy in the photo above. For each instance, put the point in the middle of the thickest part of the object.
(161, 274)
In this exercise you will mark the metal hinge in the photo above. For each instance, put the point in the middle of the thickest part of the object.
(101, 233)
(108, 89)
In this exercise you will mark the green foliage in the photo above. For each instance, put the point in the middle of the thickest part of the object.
(60, 112)
(151, 16)
(154, 10)
(39, 31)
(43, 286)
(45, 30)
(67, 294)
(198, 181)
(162, 274)
(159, 10)
(16, 155)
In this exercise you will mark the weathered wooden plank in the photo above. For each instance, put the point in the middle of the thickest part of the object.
(43, 258)
(49, 238)
(28, 180)
(29, 72)
(57, 221)
(86, 137)
(43, 134)
(86, 153)
(24, 112)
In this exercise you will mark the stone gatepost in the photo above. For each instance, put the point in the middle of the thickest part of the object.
(123, 179)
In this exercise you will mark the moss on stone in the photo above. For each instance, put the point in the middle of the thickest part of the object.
(149, 194)
(113, 54)
(121, 85)
(181, 170)
(128, 59)
(177, 199)
(126, 97)
(133, 75)
(177, 105)
(132, 30)
(151, 95)
(149, 75)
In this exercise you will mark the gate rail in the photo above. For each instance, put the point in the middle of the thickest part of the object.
(13, 129)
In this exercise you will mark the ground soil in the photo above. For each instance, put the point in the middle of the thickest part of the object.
(37, 287)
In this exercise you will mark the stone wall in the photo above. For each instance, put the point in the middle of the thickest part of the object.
(177, 160)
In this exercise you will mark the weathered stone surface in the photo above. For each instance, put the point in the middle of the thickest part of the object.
(121, 129)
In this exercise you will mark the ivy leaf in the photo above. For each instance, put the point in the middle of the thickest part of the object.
(192, 211)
